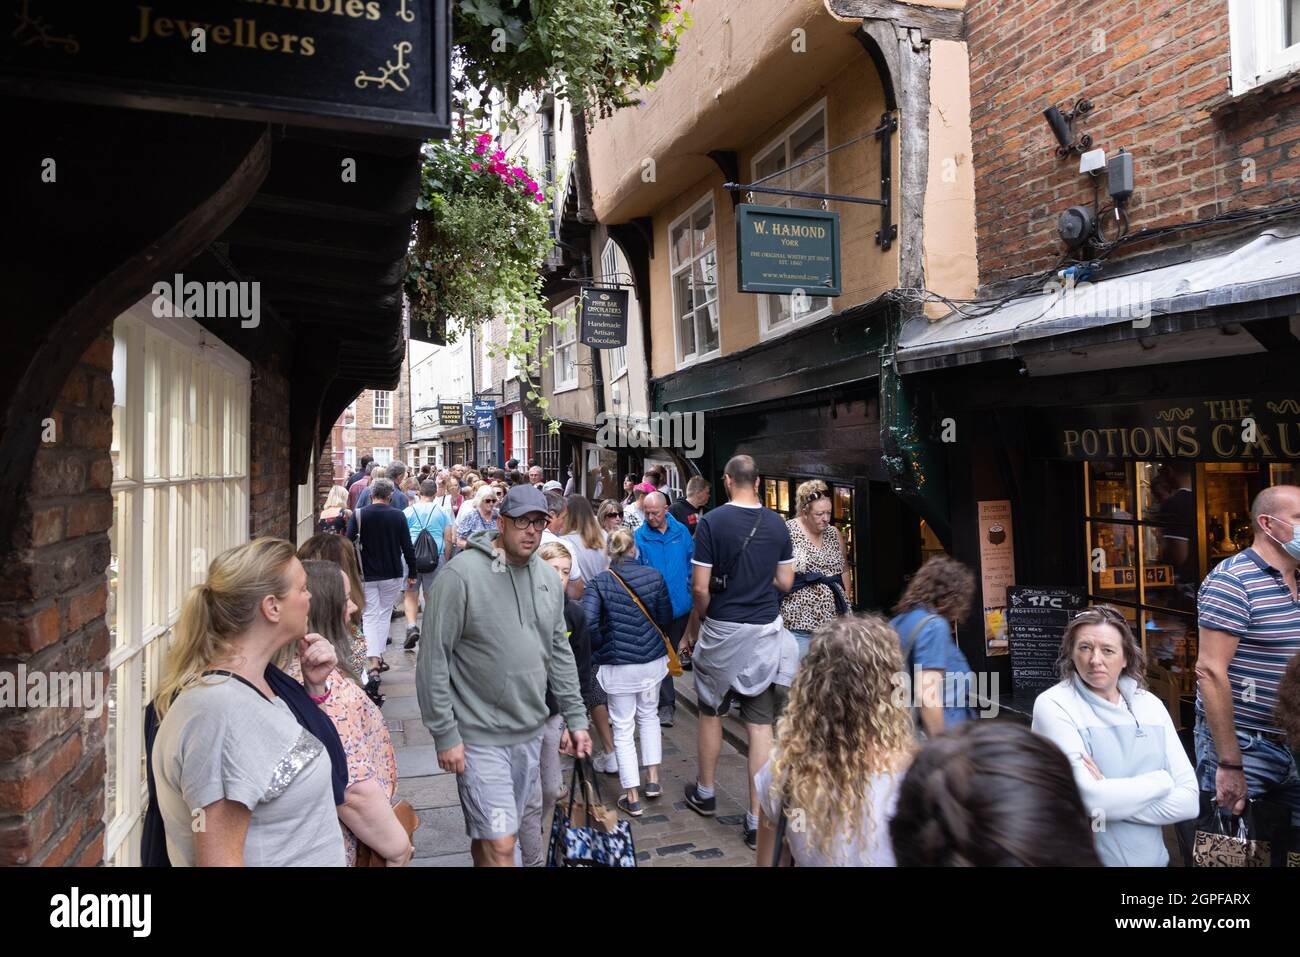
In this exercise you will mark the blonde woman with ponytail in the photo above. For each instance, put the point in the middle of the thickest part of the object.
(239, 780)
(842, 747)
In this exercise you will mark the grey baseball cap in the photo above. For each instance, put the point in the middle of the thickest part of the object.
(522, 500)
(552, 486)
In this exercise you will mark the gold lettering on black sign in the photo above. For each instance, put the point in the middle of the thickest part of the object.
(240, 32)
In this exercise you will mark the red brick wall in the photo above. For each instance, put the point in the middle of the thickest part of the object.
(53, 593)
(369, 437)
(271, 493)
(1163, 63)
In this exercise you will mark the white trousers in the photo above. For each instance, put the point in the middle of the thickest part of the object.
(376, 620)
(630, 712)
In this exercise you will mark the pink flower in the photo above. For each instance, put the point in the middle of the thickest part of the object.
(480, 149)
(483, 138)
(475, 167)
(539, 197)
(531, 185)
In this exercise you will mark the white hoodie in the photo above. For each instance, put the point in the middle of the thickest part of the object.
(1149, 782)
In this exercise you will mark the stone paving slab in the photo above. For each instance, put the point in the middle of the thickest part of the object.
(415, 761)
(430, 791)
(444, 860)
(441, 831)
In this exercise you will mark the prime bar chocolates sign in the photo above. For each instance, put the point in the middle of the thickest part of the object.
(371, 66)
(604, 317)
(788, 251)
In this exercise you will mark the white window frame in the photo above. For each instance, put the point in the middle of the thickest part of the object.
(519, 440)
(387, 408)
(609, 263)
(684, 360)
(564, 339)
(1256, 29)
(382, 456)
(183, 450)
(766, 330)
(351, 455)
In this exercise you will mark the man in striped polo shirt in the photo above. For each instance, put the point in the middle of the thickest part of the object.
(1249, 617)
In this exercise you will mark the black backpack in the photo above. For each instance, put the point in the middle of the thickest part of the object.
(426, 549)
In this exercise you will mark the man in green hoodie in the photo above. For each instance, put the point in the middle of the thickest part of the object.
(496, 619)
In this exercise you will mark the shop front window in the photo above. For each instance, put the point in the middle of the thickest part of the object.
(1144, 557)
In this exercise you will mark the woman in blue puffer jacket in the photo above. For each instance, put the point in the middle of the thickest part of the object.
(627, 643)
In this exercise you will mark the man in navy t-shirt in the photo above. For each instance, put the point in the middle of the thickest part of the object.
(741, 638)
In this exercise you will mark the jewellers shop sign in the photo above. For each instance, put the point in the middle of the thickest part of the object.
(1265, 428)
(788, 251)
(369, 66)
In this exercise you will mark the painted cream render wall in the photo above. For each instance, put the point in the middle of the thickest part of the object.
(738, 69)
(951, 267)
(854, 105)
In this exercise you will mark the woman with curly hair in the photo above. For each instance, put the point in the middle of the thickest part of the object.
(842, 746)
(938, 596)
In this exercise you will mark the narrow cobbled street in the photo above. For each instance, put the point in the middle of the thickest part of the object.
(669, 834)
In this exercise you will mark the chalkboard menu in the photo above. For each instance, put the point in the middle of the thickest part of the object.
(1036, 619)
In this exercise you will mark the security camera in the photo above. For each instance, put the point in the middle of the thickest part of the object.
(1062, 125)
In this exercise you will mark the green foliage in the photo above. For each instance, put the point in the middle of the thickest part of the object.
(480, 237)
(594, 53)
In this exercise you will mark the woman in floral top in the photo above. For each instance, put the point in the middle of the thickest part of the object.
(818, 550)
(367, 811)
(482, 516)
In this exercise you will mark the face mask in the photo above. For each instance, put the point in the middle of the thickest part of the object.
(1292, 547)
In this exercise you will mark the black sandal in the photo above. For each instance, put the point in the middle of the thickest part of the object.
(383, 665)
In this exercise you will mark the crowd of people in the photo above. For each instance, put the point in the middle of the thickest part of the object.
(545, 626)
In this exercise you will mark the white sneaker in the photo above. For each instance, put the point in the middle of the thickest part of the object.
(605, 763)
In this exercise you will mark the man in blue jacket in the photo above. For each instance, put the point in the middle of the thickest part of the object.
(665, 544)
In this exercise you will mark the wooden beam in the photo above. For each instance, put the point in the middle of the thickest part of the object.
(149, 216)
(935, 23)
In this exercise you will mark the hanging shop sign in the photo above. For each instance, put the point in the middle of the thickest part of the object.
(485, 414)
(451, 413)
(1036, 620)
(603, 317)
(369, 66)
(997, 571)
(788, 251)
(1213, 429)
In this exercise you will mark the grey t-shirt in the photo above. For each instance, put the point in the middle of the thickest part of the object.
(223, 739)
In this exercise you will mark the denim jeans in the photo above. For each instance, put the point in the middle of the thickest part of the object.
(1270, 767)
(801, 639)
(667, 693)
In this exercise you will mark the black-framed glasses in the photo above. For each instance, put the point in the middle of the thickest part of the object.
(522, 522)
